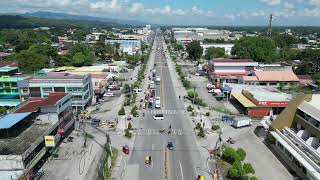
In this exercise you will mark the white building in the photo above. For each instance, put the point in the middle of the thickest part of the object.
(227, 47)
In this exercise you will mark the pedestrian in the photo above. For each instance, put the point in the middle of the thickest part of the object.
(179, 97)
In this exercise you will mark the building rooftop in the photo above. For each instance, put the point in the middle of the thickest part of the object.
(19, 144)
(11, 119)
(271, 96)
(230, 60)
(312, 107)
(276, 76)
(34, 104)
(250, 78)
(57, 77)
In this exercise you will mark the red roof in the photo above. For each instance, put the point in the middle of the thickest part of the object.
(99, 76)
(231, 60)
(34, 104)
(8, 63)
(229, 73)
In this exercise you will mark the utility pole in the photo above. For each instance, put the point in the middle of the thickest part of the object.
(270, 25)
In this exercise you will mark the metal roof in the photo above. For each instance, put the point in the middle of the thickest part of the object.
(243, 100)
(11, 119)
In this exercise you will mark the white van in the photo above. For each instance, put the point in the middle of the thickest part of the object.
(158, 117)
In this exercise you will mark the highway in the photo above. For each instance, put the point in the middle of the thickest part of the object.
(181, 161)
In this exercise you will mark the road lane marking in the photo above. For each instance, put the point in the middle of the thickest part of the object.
(165, 163)
(181, 171)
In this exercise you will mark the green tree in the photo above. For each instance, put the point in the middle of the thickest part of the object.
(284, 40)
(194, 50)
(259, 48)
(177, 47)
(100, 50)
(121, 111)
(86, 51)
(230, 155)
(248, 168)
(29, 61)
(241, 154)
(215, 53)
(78, 59)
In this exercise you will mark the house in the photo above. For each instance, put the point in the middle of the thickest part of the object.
(294, 136)
(23, 133)
(223, 70)
(278, 79)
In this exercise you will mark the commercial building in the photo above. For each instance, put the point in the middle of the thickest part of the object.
(257, 101)
(9, 91)
(229, 70)
(226, 46)
(23, 132)
(283, 79)
(295, 134)
(128, 45)
(80, 87)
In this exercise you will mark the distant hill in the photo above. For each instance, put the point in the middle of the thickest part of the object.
(17, 21)
(54, 15)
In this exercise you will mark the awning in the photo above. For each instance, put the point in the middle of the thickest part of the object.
(243, 100)
(10, 102)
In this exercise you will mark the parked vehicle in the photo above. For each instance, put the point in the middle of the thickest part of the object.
(227, 118)
(108, 94)
(158, 80)
(241, 122)
(158, 117)
(211, 87)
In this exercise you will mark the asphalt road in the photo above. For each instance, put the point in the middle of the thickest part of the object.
(181, 162)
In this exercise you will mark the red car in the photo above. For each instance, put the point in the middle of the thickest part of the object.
(125, 149)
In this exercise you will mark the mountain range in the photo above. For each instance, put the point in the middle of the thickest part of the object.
(55, 15)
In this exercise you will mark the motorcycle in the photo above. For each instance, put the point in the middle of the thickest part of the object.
(162, 130)
(230, 140)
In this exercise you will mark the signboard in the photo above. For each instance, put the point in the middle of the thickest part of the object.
(49, 141)
(273, 103)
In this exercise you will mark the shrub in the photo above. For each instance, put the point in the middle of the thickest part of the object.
(215, 127)
(207, 113)
(230, 155)
(186, 83)
(121, 112)
(134, 111)
(198, 126)
(201, 132)
(192, 94)
(254, 178)
(233, 173)
(189, 108)
(129, 126)
(127, 134)
(192, 114)
(241, 154)
(248, 168)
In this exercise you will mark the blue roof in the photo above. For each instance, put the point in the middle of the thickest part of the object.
(11, 119)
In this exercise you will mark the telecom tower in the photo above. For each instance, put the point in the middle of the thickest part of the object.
(270, 25)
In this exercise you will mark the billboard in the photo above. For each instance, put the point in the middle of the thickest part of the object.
(49, 141)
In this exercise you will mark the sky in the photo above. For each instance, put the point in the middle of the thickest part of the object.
(182, 12)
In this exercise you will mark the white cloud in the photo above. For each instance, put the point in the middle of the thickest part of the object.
(272, 2)
(314, 3)
(136, 8)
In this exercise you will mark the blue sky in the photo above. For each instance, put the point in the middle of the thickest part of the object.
(182, 12)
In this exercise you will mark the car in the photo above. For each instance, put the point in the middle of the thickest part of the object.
(95, 122)
(125, 149)
(211, 91)
(147, 160)
(158, 98)
(170, 146)
(108, 94)
(158, 117)
(111, 124)
(197, 74)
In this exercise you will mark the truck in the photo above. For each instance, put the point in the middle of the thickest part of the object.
(241, 122)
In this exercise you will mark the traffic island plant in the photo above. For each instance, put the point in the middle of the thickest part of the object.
(215, 127)
(129, 126)
(122, 112)
(128, 134)
(189, 108)
(207, 113)
(134, 111)
(201, 132)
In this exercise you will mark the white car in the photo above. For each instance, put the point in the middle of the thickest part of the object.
(158, 98)
(211, 91)
(108, 94)
(158, 117)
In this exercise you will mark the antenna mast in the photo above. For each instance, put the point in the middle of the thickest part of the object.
(270, 25)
